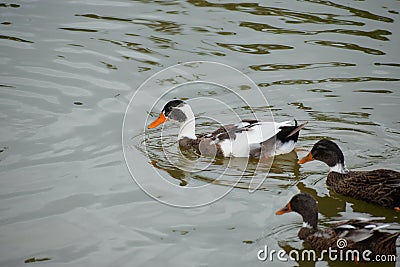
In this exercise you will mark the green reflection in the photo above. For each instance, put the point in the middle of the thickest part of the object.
(254, 48)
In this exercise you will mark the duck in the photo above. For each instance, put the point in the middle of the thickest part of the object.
(355, 234)
(380, 187)
(247, 138)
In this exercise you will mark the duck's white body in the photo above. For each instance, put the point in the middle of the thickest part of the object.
(250, 140)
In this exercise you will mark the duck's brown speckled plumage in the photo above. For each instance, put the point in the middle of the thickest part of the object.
(379, 243)
(360, 235)
(381, 186)
(205, 145)
(202, 146)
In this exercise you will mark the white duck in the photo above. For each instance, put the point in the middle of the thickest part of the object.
(248, 138)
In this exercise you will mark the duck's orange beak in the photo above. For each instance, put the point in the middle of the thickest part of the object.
(307, 158)
(161, 119)
(286, 209)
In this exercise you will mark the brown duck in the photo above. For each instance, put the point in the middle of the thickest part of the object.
(357, 235)
(381, 187)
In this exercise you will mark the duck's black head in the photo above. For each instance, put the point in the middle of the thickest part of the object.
(325, 151)
(171, 105)
(306, 206)
(173, 110)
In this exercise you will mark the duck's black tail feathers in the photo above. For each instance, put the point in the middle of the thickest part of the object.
(284, 136)
(288, 133)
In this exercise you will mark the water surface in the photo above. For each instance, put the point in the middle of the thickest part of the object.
(70, 68)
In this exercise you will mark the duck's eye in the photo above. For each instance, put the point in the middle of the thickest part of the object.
(315, 153)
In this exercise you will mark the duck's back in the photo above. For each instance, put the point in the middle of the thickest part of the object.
(360, 235)
(381, 187)
(245, 138)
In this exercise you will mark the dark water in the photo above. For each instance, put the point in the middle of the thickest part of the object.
(70, 68)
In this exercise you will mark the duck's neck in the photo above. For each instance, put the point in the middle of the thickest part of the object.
(188, 129)
(340, 168)
(310, 221)
(185, 116)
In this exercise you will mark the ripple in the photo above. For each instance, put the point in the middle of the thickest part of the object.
(289, 16)
(99, 82)
(375, 34)
(357, 12)
(10, 5)
(94, 16)
(162, 42)
(348, 46)
(83, 66)
(263, 27)
(16, 39)
(346, 118)
(78, 29)
(320, 90)
(278, 67)
(42, 83)
(91, 26)
(387, 64)
(374, 91)
(330, 80)
(254, 48)
(86, 52)
(164, 26)
(353, 129)
(139, 53)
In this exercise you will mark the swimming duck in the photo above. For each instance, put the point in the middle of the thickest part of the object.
(248, 138)
(355, 234)
(381, 187)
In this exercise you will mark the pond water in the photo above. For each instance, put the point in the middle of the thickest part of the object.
(69, 70)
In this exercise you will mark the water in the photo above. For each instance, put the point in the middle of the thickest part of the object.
(70, 68)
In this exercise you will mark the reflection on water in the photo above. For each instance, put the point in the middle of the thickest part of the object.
(275, 67)
(69, 68)
(353, 47)
(186, 167)
(333, 80)
(254, 48)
